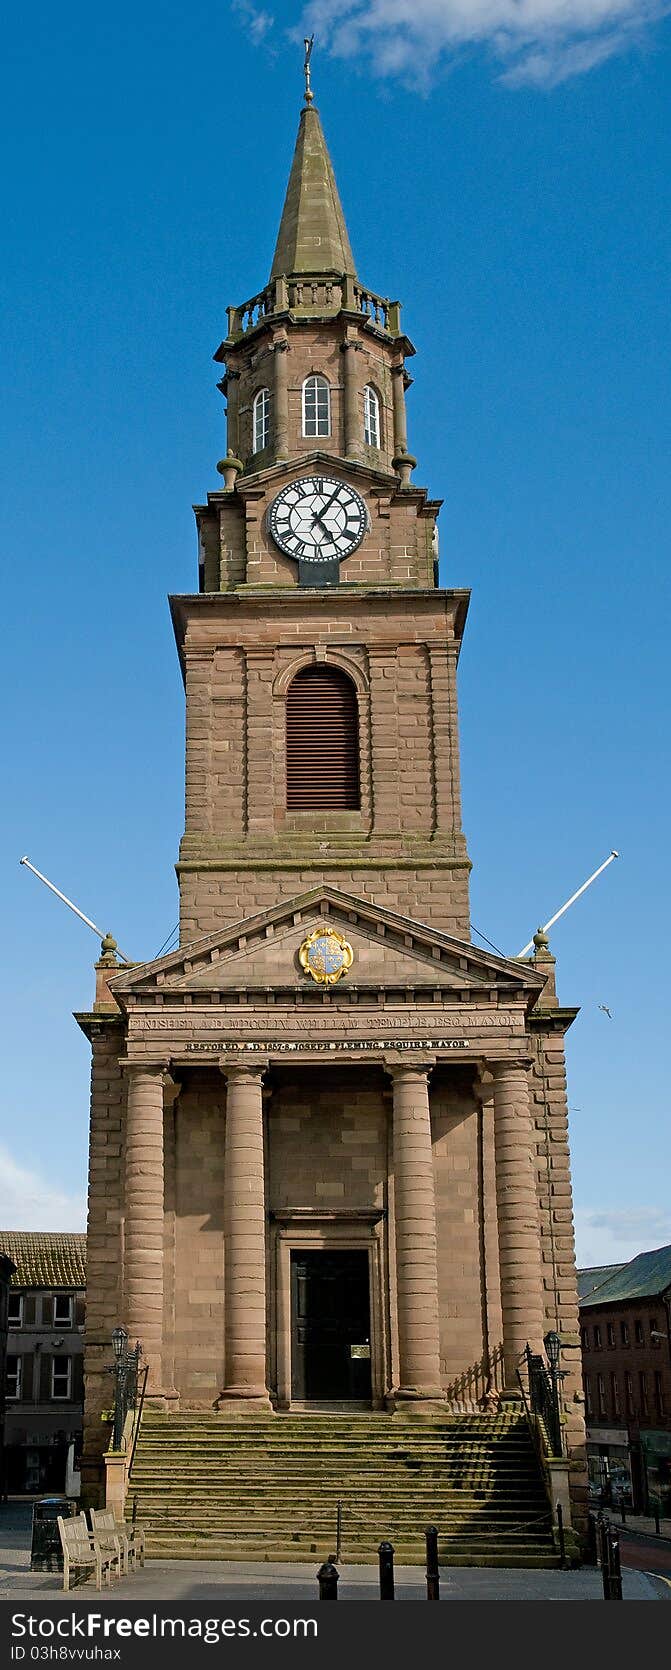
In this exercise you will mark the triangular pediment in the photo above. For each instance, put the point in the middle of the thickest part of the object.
(389, 953)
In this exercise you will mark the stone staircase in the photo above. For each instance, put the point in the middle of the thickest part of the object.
(268, 1488)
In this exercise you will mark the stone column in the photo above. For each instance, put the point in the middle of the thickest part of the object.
(280, 414)
(143, 1243)
(232, 436)
(400, 420)
(353, 417)
(419, 1390)
(520, 1261)
(244, 1243)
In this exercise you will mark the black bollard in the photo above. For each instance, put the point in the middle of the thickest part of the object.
(432, 1568)
(615, 1567)
(657, 1530)
(386, 1558)
(611, 1573)
(327, 1578)
(603, 1557)
(560, 1536)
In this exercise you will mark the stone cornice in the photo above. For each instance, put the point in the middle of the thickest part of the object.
(94, 1022)
(350, 601)
(552, 1020)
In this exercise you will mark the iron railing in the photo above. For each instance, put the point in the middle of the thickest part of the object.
(543, 1390)
(126, 1371)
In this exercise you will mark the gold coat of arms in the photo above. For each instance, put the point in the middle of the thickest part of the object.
(326, 956)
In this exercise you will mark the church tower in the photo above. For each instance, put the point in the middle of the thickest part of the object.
(329, 1157)
(319, 658)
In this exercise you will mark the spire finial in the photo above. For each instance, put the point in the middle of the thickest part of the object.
(309, 43)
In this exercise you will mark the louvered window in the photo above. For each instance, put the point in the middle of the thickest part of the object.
(322, 742)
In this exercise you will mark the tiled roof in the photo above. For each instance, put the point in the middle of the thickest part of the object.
(595, 1277)
(48, 1260)
(644, 1278)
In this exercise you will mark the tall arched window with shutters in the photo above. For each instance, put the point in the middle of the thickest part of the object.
(322, 742)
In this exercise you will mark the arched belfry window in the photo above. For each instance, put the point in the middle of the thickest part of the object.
(371, 416)
(316, 406)
(322, 741)
(261, 419)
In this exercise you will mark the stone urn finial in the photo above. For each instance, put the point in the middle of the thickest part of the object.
(230, 467)
(108, 947)
(404, 464)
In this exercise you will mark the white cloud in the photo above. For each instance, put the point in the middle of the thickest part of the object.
(537, 42)
(28, 1201)
(618, 1235)
(257, 22)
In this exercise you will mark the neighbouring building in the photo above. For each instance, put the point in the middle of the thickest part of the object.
(6, 1273)
(625, 1333)
(43, 1380)
(329, 1162)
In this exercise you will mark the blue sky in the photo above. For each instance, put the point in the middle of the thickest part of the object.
(506, 171)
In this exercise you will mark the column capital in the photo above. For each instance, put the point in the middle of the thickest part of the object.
(514, 1064)
(240, 1067)
(399, 1066)
(151, 1068)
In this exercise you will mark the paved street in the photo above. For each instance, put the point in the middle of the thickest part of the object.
(204, 1581)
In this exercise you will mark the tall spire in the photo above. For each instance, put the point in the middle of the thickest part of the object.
(313, 236)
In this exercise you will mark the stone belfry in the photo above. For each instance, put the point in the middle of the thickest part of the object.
(329, 1155)
(319, 553)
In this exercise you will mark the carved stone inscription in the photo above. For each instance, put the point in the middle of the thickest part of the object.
(427, 1027)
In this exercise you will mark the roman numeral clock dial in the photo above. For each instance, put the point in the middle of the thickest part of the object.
(318, 522)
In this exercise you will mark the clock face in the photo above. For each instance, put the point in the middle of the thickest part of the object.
(318, 520)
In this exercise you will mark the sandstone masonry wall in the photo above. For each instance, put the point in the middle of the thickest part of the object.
(104, 1296)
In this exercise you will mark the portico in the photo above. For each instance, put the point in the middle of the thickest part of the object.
(323, 1121)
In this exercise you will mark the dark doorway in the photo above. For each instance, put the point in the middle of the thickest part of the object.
(330, 1327)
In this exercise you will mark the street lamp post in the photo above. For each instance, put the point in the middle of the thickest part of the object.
(552, 1345)
(119, 1344)
(125, 1370)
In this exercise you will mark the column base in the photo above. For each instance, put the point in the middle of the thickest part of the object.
(163, 1401)
(236, 1401)
(407, 1401)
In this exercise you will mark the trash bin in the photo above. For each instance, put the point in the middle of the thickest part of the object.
(46, 1553)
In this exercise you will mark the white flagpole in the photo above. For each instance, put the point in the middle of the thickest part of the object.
(572, 899)
(68, 902)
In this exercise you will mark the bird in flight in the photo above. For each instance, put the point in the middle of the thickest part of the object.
(605, 1010)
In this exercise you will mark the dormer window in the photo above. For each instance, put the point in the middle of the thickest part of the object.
(261, 419)
(316, 406)
(371, 416)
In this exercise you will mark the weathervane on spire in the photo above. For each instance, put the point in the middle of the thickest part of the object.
(309, 43)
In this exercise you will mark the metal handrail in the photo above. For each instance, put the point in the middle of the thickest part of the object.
(544, 1398)
(138, 1418)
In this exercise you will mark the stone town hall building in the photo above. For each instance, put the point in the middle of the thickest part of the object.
(329, 1163)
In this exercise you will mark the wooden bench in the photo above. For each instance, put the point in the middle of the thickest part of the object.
(107, 1529)
(83, 1552)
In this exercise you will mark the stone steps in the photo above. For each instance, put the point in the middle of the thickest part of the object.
(268, 1488)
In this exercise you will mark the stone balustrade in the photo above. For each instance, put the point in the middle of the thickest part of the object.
(323, 293)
